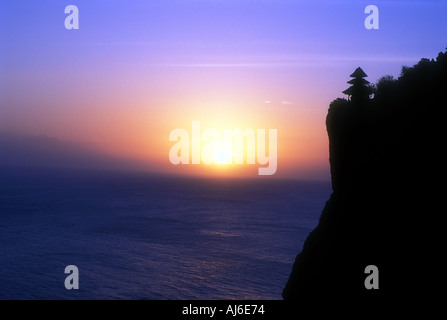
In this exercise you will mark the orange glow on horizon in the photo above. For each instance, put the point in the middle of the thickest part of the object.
(128, 121)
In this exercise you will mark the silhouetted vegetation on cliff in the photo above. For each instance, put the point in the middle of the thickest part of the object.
(386, 161)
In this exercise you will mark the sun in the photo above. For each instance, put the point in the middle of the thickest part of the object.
(222, 155)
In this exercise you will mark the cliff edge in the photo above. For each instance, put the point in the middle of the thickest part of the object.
(386, 157)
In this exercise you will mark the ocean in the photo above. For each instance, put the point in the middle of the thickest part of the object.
(142, 236)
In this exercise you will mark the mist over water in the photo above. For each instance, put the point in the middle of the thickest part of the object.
(139, 236)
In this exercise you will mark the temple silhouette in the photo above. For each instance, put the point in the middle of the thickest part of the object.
(359, 90)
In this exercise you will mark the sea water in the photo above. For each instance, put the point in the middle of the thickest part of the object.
(143, 236)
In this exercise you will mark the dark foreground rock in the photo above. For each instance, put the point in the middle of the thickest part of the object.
(387, 166)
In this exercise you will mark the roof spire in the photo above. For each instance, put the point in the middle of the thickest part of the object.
(358, 73)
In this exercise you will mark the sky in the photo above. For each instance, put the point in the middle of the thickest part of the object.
(135, 70)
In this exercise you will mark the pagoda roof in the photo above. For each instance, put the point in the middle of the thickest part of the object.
(358, 81)
(348, 91)
(358, 73)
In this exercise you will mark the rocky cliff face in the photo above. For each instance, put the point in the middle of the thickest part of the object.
(387, 159)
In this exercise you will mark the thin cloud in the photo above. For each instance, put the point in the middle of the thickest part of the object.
(297, 61)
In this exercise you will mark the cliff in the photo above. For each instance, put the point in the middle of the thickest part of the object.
(386, 157)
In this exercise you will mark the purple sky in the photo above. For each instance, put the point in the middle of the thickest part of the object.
(136, 69)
